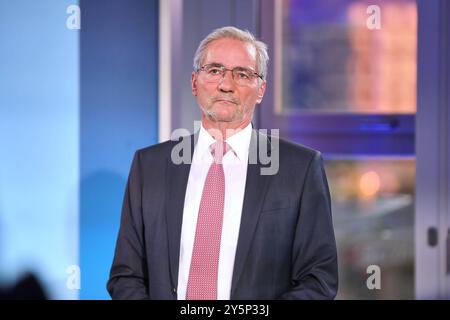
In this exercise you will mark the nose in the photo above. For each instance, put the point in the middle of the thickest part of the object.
(226, 84)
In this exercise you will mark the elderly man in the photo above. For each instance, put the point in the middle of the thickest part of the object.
(217, 227)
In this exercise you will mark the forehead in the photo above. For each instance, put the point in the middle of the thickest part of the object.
(231, 53)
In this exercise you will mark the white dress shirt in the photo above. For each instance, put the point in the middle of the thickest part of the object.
(235, 170)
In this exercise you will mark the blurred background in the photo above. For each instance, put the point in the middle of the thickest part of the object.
(75, 103)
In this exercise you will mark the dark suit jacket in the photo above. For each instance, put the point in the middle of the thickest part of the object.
(286, 247)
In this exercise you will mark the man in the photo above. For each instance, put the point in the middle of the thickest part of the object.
(218, 227)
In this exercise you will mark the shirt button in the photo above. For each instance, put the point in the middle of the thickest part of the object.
(174, 290)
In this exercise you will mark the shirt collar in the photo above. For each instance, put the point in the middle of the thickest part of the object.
(239, 143)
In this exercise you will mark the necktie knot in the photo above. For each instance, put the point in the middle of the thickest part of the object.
(218, 150)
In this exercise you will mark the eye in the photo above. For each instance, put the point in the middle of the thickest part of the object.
(214, 71)
(243, 75)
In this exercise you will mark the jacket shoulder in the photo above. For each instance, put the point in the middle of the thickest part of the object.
(296, 151)
(298, 148)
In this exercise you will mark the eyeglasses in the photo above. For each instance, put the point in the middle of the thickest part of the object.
(214, 72)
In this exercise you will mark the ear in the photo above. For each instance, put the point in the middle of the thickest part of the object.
(261, 90)
(194, 83)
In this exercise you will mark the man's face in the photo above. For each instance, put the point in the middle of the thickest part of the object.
(224, 100)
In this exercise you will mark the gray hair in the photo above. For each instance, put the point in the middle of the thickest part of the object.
(238, 34)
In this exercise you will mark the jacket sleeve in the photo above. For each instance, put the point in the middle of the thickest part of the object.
(314, 257)
(128, 276)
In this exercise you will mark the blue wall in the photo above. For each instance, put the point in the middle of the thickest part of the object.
(118, 111)
(74, 106)
(39, 143)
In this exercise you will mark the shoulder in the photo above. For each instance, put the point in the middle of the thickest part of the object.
(297, 149)
(292, 151)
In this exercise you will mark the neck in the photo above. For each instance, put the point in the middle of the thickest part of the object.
(223, 130)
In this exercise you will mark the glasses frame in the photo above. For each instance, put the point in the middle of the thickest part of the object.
(224, 69)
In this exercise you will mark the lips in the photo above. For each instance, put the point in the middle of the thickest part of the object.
(227, 101)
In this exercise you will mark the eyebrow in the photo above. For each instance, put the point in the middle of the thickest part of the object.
(216, 64)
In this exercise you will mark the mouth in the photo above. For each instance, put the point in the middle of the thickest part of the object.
(226, 101)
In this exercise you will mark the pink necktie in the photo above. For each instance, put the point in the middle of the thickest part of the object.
(202, 282)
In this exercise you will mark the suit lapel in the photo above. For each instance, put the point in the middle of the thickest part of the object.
(255, 190)
(177, 176)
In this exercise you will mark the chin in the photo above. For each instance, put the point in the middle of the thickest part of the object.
(220, 115)
(216, 118)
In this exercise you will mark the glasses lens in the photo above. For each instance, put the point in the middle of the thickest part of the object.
(213, 71)
(241, 76)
